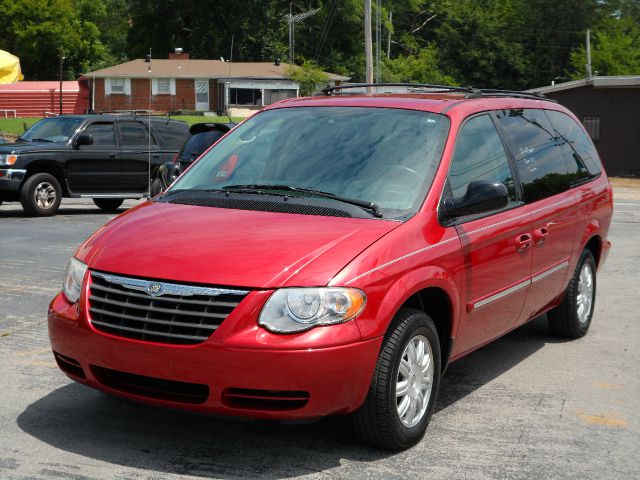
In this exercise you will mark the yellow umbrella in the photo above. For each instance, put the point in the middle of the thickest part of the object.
(9, 68)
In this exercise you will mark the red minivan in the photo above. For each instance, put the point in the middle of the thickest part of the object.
(331, 255)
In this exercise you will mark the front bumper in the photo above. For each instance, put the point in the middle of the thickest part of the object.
(216, 376)
(11, 178)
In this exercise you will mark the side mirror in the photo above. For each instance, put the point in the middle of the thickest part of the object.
(84, 139)
(482, 196)
(167, 173)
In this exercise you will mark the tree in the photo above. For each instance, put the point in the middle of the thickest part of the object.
(423, 67)
(615, 50)
(309, 76)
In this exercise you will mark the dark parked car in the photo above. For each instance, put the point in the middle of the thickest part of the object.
(203, 136)
(104, 157)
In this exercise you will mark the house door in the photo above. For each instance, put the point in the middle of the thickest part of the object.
(202, 95)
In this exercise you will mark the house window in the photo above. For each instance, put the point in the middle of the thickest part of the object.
(245, 96)
(164, 86)
(117, 85)
(592, 125)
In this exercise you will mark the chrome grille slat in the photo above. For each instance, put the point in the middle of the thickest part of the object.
(131, 293)
(163, 310)
(140, 330)
(179, 314)
(153, 320)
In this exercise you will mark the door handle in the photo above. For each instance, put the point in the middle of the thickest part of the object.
(541, 234)
(523, 242)
(112, 155)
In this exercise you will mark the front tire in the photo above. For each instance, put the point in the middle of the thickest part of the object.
(404, 386)
(108, 204)
(41, 195)
(572, 317)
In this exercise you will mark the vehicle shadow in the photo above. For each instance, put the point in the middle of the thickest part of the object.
(63, 211)
(76, 419)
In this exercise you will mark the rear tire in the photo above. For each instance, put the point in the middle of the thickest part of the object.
(572, 317)
(41, 195)
(404, 386)
(108, 204)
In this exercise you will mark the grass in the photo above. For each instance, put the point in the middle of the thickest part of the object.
(14, 126)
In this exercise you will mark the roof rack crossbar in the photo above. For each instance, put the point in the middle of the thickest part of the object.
(417, 86)
(435, 88)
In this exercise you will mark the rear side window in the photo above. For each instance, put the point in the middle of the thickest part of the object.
(479, 155)
(102, 133)
(170, 135)
(584, 157)
(133, 133)
(540, 158)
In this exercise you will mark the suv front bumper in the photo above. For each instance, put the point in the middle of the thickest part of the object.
(11, 178)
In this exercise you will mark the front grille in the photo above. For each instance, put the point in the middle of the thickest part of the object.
(175, 314)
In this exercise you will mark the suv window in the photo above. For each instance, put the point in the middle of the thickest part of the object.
(585, 157)
(102, 133)
(133, 133)
(540, 158)
(170, 134)
(480, 155)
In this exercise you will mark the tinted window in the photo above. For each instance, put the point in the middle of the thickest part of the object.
(584, 160)
(382, 155)
(102, 133)
(133, 133)
(170, 135)
(540, 157)
(479, 155)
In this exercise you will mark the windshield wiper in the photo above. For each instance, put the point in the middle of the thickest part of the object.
(257, 187)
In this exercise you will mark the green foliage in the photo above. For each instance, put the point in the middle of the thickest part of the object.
(424, 67)
(310, 77)
(615, 50)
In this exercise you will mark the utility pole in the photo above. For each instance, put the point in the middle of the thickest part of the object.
(61, 62)
(291, 33)
(588, 65)
(389, 37)
(368, 50)
(378, 72)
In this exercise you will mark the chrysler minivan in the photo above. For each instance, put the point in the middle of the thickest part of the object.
(332, 255)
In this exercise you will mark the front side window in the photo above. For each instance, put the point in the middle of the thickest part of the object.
(380, 155)
(479, 155)
(102, 133)
(540, 157)
(56, 129)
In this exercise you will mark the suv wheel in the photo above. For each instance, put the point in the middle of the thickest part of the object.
(404, 386)
(573, 316)
(108, 204)
(40, 195)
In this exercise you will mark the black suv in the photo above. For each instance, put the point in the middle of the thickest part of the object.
(104, 157)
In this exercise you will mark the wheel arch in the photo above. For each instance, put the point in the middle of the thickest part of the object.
(52, 168)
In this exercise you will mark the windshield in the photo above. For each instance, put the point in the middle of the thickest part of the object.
(54, 129)
(380, 155)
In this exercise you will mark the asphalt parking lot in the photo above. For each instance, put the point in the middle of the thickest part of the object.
(526, 406)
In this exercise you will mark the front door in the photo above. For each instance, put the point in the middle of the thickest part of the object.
(202, 95)
(496, 247)
(95, 168)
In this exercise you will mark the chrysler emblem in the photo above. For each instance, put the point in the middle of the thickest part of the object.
(155, 289)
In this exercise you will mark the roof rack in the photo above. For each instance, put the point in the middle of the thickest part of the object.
(470, 92)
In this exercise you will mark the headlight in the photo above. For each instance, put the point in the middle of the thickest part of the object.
(298, 309)
(9, 159)
(73, 277)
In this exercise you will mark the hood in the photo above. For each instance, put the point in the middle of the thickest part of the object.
(28, 147)
(228, 247)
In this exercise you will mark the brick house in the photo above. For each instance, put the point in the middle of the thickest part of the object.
(180, 83)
